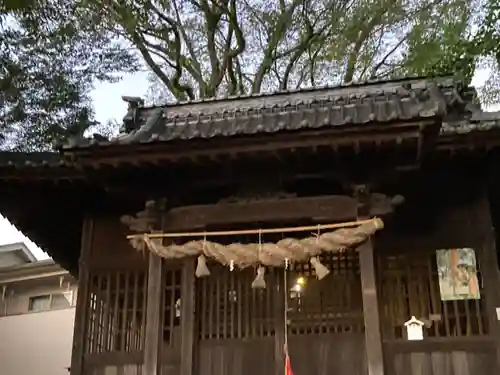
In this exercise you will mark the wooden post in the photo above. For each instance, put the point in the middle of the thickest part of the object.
(153, 318)
(279, 321)
(187, 316)
(83, 299)
(373, 338)
(488, 266)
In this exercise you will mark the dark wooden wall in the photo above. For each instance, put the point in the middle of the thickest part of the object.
(464, 340)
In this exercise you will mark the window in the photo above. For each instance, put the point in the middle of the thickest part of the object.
(39, 303)
(51, 301)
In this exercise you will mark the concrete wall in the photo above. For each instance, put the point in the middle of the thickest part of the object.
(15, 254)
(17, 300)
(9, 259)
(36, 343)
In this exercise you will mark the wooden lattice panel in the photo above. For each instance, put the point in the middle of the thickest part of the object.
(171, 310)
(331, 305)
(116, 311)
(227, 306)
(409, 286)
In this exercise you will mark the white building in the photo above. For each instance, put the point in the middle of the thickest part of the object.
(15, 254)
(37, 311)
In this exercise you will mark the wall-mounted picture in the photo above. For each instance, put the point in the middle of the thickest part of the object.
(457, 271)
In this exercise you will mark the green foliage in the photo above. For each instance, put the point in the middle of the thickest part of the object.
(437, 39)
(486, 40)
(465, 33)
(200, 48)
(51, 53)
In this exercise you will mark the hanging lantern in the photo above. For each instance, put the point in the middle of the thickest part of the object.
(259, 282)
(201, 267)
(321, 270)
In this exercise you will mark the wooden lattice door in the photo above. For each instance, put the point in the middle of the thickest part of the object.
(241, 330)
(235, 323)
(325, 317)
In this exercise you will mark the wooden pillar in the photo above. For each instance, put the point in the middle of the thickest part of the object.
(279, 321)
(83, 299)
(153, 317)
(489, 271)
(373, 338)
(187, 316)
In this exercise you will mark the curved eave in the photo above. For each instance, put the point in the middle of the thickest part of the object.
(197, 150)
(52, 224)
(46, 202)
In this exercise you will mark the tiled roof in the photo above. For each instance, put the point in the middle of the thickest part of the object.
(478, 122)
(30, 159)
(354, 104)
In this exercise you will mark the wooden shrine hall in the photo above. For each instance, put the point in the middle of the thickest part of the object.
(349, 230)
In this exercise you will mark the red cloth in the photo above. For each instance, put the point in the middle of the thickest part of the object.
(288, 366)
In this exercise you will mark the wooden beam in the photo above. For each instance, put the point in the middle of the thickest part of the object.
(373, 338)
(115, 154)
(153, 318)
(187, 316)
(319, 209)
(82, 302)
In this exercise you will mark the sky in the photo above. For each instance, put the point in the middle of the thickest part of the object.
(109, 105)
(107, 97)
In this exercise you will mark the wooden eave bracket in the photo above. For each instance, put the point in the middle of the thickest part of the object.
(147, 219)
(318, 209)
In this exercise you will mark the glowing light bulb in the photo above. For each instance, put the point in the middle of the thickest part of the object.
(297, 288)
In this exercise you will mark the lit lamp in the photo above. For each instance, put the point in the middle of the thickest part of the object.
(300, 282)
(298, 287)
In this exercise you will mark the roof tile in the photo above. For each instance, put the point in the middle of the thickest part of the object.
(312, 108)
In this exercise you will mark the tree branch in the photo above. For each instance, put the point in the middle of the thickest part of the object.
(275, 37)
(387, 55)
(196, 71)
(298, 51)
(363, 34)
(180, 91)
